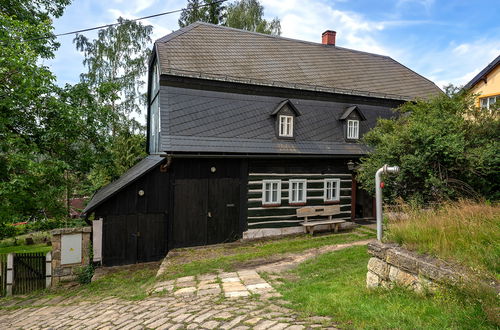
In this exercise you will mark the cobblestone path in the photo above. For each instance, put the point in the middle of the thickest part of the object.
(231, 285)
(182, 311)
(240, 300)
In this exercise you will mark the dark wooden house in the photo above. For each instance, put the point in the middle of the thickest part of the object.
(244, 128)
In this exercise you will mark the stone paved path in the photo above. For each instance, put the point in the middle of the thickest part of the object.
(232, 285)
(193, 311)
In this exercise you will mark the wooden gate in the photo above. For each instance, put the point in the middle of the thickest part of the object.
(29, 272)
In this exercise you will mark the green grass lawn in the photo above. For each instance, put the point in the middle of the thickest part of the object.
(463, 232)
(25, 248)
(333, 285)
(230, 257)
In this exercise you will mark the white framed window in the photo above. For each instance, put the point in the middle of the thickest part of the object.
(286, 126)
(353, 129)
(487, 102)
(297, 191)
(331, 191)
(271, 192)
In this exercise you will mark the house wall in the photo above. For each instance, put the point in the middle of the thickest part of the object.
(489, 88)
(315, 171)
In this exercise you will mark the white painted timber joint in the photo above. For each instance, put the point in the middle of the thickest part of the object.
(386, 169)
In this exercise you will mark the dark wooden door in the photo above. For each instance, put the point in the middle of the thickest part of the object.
(151, 237)
(206, 202)
(128, 239)
(223, 210)
(119, 240)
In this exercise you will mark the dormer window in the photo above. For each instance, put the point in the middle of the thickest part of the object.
(353, 129)
(285, 115)
(351, 117)
(286, 126)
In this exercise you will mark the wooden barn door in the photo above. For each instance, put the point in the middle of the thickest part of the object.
(223, 210)
(206, 202)
(128, 239)
(119, 240)
(151, 237)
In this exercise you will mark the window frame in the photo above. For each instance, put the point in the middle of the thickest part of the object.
(278, 193)
(288, 131)
(488, 103)
(335, 198)
(355, 127)
(291, 196)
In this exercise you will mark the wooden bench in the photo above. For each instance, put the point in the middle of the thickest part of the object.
(320, 211)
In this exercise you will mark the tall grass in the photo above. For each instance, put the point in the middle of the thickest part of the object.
(464, 232)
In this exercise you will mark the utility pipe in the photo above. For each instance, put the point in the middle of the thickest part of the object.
(386, 169)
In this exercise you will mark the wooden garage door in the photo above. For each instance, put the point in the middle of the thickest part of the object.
(128, 239)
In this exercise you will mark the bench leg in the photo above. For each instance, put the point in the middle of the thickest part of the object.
(337, 227)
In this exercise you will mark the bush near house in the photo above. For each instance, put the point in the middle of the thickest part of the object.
(446, 148)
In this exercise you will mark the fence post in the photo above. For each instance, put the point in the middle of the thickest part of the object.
(48, 269)
(10, 273)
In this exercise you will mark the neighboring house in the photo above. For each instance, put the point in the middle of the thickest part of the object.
(243, 129)
(487, 85)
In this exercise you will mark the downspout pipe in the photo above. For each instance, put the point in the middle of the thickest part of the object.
(386, 169)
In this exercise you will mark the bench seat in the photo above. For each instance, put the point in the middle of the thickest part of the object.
(320, 211)
(332, 224)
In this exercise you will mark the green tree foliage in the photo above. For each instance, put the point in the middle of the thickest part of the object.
(210, 11)
(242, 14)
(117, 65)
(446, 147)
(248, 15)
(33, 13)
(43, 138)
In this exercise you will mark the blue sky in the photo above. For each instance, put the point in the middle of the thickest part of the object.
(447, 41)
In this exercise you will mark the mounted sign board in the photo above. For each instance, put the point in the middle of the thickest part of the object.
(97, 239)
(71, 249)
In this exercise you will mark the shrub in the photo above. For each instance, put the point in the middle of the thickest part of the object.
(447, 149)
(7, 230)
(85, 274)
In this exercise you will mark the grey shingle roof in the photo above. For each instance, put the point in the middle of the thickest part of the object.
(131, 175)
(221, 53)
(210, 121)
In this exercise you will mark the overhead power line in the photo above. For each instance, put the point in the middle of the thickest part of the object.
(126, 20)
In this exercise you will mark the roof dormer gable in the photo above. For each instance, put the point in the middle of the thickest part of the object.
(352, 112)
(285, 115)
(286, 107)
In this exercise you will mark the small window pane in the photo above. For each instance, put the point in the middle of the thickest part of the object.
(286, 126)
(352, 129)
(271, 192)
(297, 191)
(332, 190)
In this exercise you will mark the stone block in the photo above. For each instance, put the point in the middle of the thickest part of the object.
(372, 280)
(378, 249)
(403, 260)
(401, 277)
(379, 267)
(438, 273)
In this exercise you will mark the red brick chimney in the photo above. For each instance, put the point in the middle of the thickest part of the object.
(328, 37)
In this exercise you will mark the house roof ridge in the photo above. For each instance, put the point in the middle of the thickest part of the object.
(312, 43)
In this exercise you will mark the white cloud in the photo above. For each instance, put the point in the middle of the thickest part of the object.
(353, 29)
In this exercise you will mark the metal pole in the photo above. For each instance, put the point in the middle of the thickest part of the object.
(386, 169)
